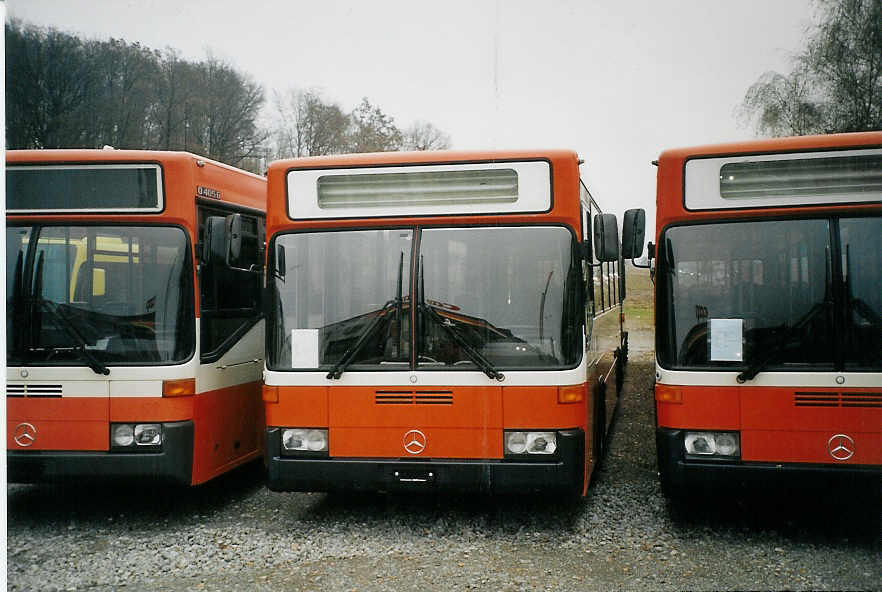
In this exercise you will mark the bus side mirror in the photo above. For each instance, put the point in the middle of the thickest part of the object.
(213, 240)
(280, 262)
(633, 231)
(233, 238)
(606, 237)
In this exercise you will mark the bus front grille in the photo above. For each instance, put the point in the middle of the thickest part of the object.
(414, 397)
(820, 399)
(21, 389)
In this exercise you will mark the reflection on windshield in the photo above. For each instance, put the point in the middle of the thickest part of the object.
(511, 294)
(335, 293)
(95, 295)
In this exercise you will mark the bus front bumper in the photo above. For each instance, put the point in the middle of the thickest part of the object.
(172, 465)
(682, 476)
(563, 473)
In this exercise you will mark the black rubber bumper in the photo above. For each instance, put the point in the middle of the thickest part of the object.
(172, 465)
(680, 475)
(564, 472)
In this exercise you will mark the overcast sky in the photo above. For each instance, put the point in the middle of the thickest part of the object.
(617, 81)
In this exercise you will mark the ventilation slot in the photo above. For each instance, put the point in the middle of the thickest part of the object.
(862, 399)
(33, 390)
(837, 399)
(414, 398)
(816, 399)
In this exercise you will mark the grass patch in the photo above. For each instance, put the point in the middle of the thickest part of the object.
(639, 309)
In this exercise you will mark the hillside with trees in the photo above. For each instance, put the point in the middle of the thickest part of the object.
(66, 92)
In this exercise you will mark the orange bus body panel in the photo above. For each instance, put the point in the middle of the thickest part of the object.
(150, 409)
(774, 426)
(702, 407)
(441, 442)
(308, 403)
(530, 407)
(230, 429)
(362, 427)
(61, 424)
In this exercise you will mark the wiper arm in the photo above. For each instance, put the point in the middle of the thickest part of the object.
(80, 346)
(477, 357)
(773, 352)
(350, 354)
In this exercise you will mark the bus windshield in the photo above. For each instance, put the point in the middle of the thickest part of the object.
(96, 295)
(768, 295)
(511, 294)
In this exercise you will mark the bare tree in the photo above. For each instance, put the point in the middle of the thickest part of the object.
(422, 135)
(372, 130)
(836, 82)
(228, 123)
(779, 105)
(845, 54)
(307, 125)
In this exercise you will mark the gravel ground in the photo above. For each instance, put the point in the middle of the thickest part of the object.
(234, 534)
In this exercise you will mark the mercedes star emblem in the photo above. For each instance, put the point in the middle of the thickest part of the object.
(414, 441)
(24, 434)
(841, 447)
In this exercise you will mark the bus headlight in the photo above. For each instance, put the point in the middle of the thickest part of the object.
(136, 435)
(122, 434)
(297, 440)
(517, 442)
(719, 444)
(148, 434)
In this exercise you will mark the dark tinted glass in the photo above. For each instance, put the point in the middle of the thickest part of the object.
(862, 269)
(93, 187)
(732, 294)
(122, 293)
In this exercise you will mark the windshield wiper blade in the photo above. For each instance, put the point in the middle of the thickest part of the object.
(423, 307)
(477, 357)
(773, 352)
(80, 345)
(350, 354)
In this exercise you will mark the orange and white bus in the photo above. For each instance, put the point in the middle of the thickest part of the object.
(769, 311)
(134, 342)
(429, 326)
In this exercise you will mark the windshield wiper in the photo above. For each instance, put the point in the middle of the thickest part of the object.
(66, 325)
(477, 357)
(782, 342)
(80, 346)
(350, 354)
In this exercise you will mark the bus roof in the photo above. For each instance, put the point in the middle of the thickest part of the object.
(242, 188)
(778, 145)
(422, 157)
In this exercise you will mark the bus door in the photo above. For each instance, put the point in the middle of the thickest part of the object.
(231, 329)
